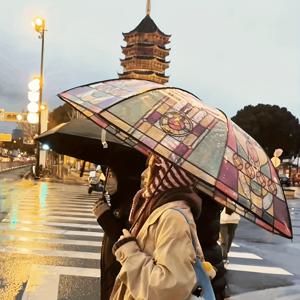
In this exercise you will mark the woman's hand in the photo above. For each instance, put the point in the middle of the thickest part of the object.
(124, 246)
(100, 206)
(125, 234)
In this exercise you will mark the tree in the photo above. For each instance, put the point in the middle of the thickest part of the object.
(271, 126)
(62, 114)
(29, 133)
(29, 130)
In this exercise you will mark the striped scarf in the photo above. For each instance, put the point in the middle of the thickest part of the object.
(162, 176)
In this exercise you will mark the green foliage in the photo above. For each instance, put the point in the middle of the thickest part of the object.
(271, 126)
(61, 114)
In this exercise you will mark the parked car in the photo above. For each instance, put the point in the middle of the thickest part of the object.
(285, 180)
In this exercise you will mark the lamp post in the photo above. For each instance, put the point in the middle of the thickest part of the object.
(39, 25)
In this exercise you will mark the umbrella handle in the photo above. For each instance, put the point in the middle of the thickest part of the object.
(103, 139)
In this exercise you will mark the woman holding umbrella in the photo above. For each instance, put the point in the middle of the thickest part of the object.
(158, 255)
(123, 182)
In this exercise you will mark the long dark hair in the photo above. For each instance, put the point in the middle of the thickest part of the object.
(127, 165)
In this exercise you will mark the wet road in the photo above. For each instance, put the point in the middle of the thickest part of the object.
(266, 261)
(50, 246)
(49, 243)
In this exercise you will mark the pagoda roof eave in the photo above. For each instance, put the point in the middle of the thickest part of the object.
(144, 57)
(146, 45)
(143, 73)
(133, 32)
(147, 25)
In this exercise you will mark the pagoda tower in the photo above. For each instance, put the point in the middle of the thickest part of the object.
(145, 52)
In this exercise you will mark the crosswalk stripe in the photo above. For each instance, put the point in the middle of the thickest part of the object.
(57, 206)
(60, 202)
(47, 217)
(11, 237)
(296, 230)
(92, 220)
(77, 225)
(11, 227)
(257, 269)
(46, 278)
(72, 213)
(50, 252)
(245, 255)
(57, 215)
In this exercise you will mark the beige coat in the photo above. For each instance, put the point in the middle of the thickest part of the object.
(160, 264)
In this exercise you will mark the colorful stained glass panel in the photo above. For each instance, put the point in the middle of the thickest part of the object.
(175, 124)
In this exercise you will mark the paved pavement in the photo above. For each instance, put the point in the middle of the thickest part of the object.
(50, 242)
(280, 293)
(275, 270)
(51, 238)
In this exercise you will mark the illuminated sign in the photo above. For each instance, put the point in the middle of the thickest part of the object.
(12, 116)
(5, 137)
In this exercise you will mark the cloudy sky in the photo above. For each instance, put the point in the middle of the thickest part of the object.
(230, 53)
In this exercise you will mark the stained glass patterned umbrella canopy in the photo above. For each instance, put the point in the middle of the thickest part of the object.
(226, 162)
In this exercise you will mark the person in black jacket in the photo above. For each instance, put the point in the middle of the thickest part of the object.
(208, 227)
(125, 167)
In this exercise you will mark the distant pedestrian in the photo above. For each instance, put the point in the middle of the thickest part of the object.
(229, 222)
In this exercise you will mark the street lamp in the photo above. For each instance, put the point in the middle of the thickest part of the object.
(39, 26)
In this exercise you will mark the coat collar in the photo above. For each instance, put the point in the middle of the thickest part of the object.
(158, 212)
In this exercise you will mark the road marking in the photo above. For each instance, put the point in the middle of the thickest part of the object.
(14, 227)
(47, 202)
(234, 245)
(72, 218)
(257, 269)
(296, 230)
(44, 217)
(49, 252)
(12, 237)
(44, 223)
(60, 207)
(43, 282)
(245, 255)
(69, 213)
(76, 225)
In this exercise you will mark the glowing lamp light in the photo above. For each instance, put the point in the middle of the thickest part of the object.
(33, 96)
(45, 147)
(33, 107)
(33, 118)
(19, 117)
(38, 24)
(34, 85)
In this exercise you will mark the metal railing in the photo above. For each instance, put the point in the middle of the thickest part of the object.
(5, 166)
